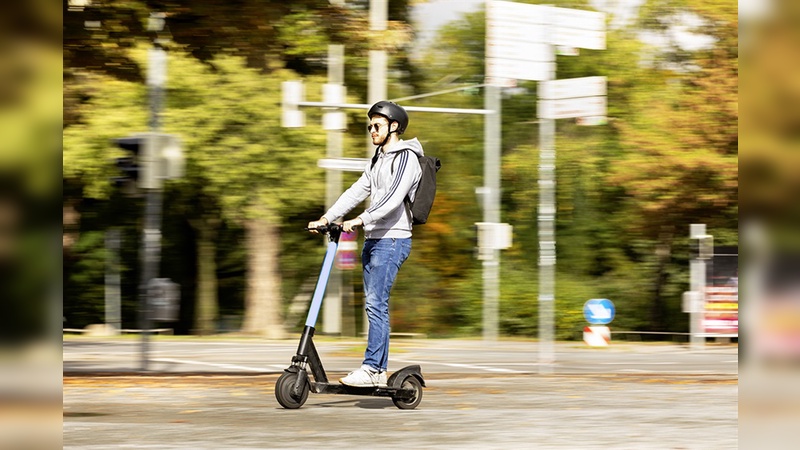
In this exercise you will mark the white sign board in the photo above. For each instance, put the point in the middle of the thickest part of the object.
(572, 107)
(579, 19)
(521, 70)
(572, 87)
(579, 28)
(571, 37)
(523, 51)
(503, 12)
(520, 37)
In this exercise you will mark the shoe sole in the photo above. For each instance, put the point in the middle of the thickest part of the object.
(341, 380)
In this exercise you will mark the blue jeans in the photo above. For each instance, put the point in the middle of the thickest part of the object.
(381, 259)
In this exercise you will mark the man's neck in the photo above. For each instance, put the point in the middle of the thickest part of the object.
(393, 139)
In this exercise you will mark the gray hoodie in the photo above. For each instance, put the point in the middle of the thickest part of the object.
(394, 176)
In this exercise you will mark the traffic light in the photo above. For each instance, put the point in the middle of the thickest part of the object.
(130, 164)
(151, 158)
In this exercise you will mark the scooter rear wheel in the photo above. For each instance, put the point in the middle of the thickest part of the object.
(409, 382)
(283, 391)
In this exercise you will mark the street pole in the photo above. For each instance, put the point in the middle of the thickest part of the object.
(151, 235)
(491, 210)
(697, 284)
(378, 60)
(376, 83)
(112, 280)
(332, 306)
(547, 236)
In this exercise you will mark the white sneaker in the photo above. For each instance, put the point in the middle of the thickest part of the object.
(382, 379)
(366, 376)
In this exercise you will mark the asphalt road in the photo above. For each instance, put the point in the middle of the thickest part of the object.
(85, 356)
(220, 395)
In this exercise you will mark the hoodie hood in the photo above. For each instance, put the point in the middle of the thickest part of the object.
(414, 145)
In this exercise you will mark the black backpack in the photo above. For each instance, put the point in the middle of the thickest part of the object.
(426, 190)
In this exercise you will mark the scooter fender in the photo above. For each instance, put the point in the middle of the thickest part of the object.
(396, 380)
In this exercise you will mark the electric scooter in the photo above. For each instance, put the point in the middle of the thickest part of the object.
(292, 388)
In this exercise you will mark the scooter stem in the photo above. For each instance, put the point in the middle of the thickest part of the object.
(322, 281)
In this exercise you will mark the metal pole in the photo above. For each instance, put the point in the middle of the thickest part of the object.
(332, 306)
(491, 211)
(547, 238)
(376, 86)
(151, 235)
(378, 61)
(697, 284)
(407, 108)
(112, 284)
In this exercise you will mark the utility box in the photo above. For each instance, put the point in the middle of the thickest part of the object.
(495, 236)
(165, 299)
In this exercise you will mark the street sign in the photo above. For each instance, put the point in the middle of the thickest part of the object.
(520, 50)
(502, 11)
(588, 39)
(497, 68)
(579, 19)
(572, 88)
(520, 39)
(346, 254)
(599, 311)
(572, 107)
(579, 28)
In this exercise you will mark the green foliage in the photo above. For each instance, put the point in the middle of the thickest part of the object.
(84, 281)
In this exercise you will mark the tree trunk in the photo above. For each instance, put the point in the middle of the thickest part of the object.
(263, 301)
(207, 306)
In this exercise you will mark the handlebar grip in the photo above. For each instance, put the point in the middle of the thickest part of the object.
(326, 228)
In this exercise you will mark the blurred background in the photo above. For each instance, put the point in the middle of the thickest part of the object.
(628, 189)
(231, 231)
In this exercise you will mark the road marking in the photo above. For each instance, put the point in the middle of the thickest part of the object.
(220, 365)
(460, 366)
(662, 363)
(679, 372)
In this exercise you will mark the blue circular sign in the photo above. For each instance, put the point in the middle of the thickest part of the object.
(599, 311)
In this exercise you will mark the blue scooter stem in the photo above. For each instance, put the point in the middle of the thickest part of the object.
(322, 282)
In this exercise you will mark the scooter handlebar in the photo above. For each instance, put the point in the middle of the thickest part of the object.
(326, 228)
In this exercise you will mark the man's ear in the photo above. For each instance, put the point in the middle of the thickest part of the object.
(394, 126)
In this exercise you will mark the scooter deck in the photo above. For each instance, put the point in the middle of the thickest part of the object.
(377, 391)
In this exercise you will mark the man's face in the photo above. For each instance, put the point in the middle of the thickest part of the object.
(378, 128)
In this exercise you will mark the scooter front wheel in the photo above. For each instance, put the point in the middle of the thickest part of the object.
(410, 382)
(283, 391)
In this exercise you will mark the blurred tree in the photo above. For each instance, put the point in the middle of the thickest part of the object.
(242, 166)
(680, 164)
(100, 41)
(666, 159)
(269, 35)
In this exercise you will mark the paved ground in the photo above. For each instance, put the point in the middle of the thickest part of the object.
(687, 404)
(558, 412)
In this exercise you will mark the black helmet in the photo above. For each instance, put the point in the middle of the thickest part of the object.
(393, 112)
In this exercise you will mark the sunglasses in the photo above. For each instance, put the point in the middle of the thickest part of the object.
(376, 125)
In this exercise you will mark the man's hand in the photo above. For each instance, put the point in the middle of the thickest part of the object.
(349, 225)
(312, 226)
